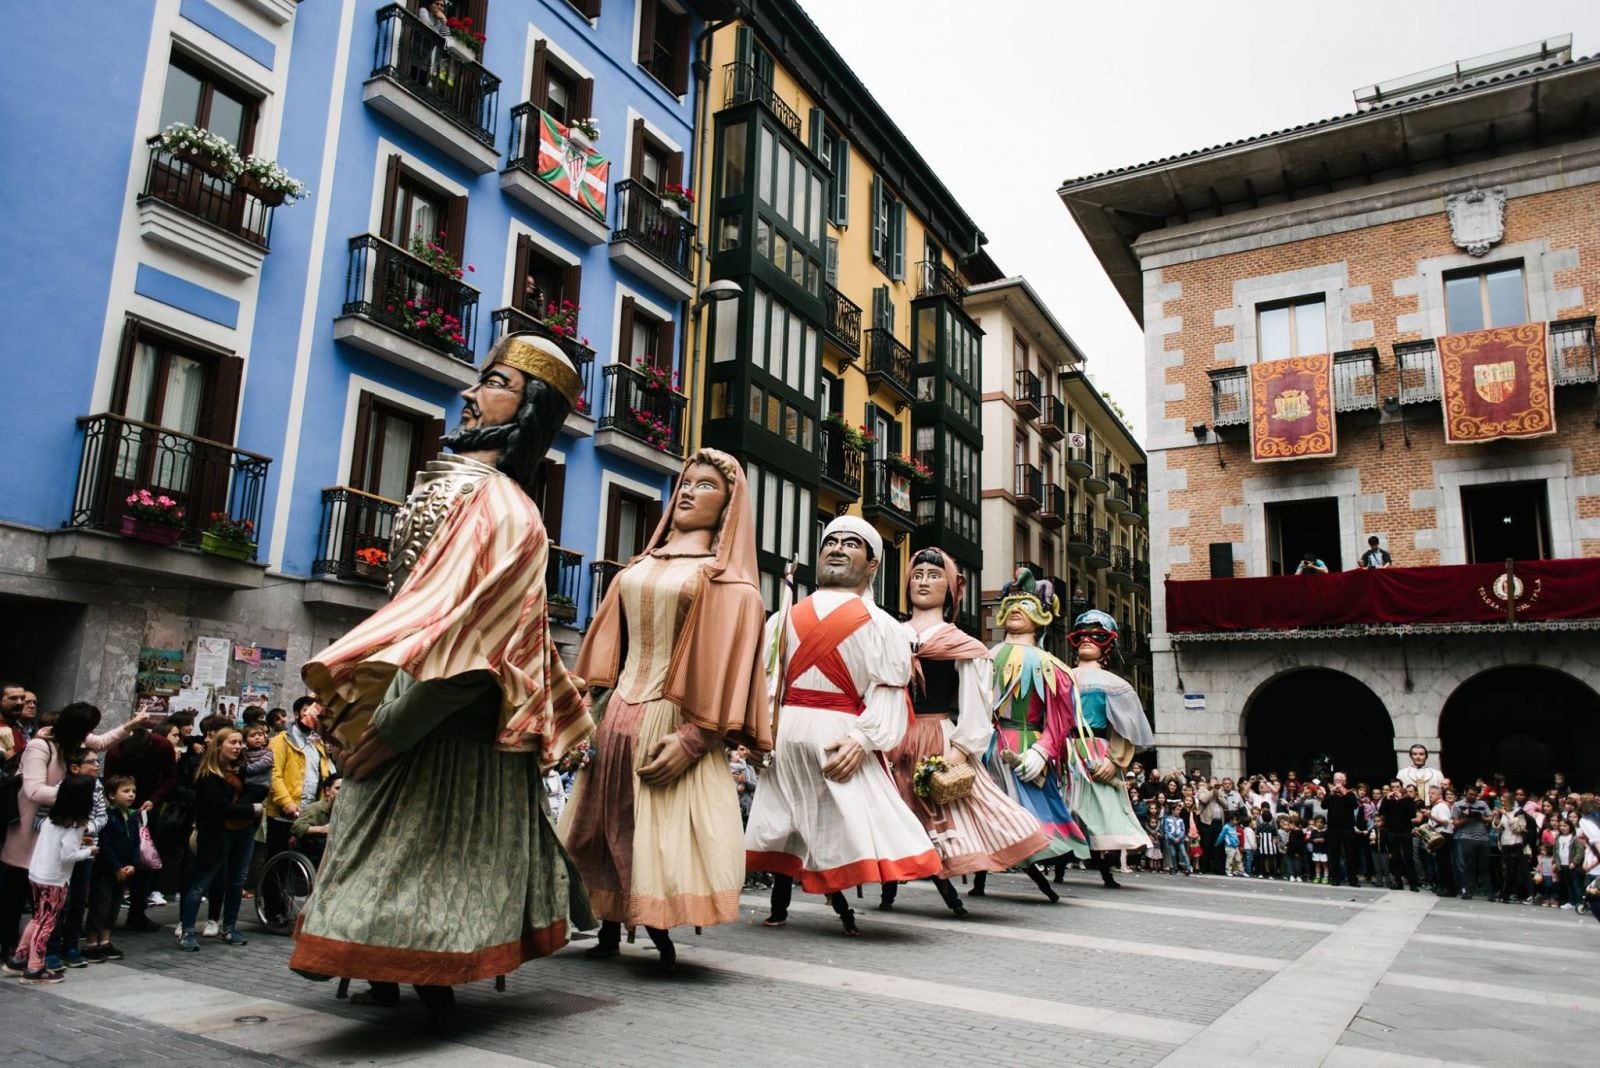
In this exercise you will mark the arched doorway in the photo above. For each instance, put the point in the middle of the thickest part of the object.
(1525, 723)
(1310, 713)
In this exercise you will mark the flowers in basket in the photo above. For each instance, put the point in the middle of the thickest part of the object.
(656, 431)
(679, 195)
(373, 556)
(941, 782)
(561, 319)
(589, 128)
(182, 139)
(267, 177)
(436, 255)
(655, 378)
(852, 435)
(462, 30)
(154, 508)
(226, 528)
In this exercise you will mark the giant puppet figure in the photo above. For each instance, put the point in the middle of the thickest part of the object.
(442, 864)
(1034, 716)
(827, 813)
(1111, 726)
(952, 680)
(653, 824)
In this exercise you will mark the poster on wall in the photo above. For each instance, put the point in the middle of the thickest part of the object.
(247, 654)
(1496, 384)
(211, 661)
(255, 695)
(160, 671)
(1291, 409)
(196, 700)
(228, 705)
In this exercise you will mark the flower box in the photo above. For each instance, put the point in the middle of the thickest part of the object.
(672, 207)
(233, 550)
(155, 533)
(462, 48)
(272, 198)
(372, 572)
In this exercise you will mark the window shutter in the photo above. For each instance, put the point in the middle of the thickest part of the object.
(841, 183)
(358, 453)
(880, 300)
(663, 353)
(613, 521)
(428, 449)
(455, 226)
(571, 283)
(391, 195)
(675, 168)
(897, 230)
(478, 12)
(832, 268)
(878, 219)
(636, 151)
(519, 274)
(625, 353)
(743, 41)
(119, 391)
(539, 87)
(555, 488)
(584, 99)
(816, 126)
(680, 57)
(218, 420)
(647, 32)
(650, 511)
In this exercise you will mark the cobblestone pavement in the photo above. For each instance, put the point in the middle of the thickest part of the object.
(1166, 971)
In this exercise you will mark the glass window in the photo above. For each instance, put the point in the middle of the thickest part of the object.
(764, 166)
(732, 232)
(792, 361)
(180, 101)
(1299, 329)
(763, 236)
(769, 511)
(1494, 296)
(758, 336)
(733, 158)
(781, 194)
(790, 518)
(724, 331)
(808, 367)
(780, 251)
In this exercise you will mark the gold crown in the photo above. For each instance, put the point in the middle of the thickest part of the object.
(526, 353)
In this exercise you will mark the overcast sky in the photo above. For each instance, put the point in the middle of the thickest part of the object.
(1008, 98)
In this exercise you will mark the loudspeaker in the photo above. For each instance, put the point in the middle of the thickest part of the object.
(1222, 559)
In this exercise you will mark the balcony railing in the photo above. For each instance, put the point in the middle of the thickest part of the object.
(601, 572)
(887, 493)
(642, 221)
(1053, 508)
(742, 84)
(515, 321)
(413, 55)
(662, 63)
(889, 363)
(841, 461)
(1099, 480)
(1572, 351)
(353, 537)
(1230, 396)
(1100, 548)
(1117, 496)
(194, 185)
(563, 573)
(1026, 487)
(1080, 459)
(1053, 419)
(389, 286)
(122, 456)
(643, 406)
(569, 165)
(1418, 367)
(934, 279)
(1080, 532)
(1027, 393)
(1355, 380)
(1120, 569)
(844, 321)
(1141, 572)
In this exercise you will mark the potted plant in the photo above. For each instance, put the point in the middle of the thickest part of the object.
(677, 199)
(373, 563)
(562, 606)
(847, 433)
(561, 319)
(230, 537)
(583, 133)
(201, 148)
(152, 517)
(655, 379)
(656, 431)
(910, 466)
(429, 323)
(270, 183)
(464, 38)
(437, 256)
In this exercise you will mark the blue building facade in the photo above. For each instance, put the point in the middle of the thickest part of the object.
(293, 363)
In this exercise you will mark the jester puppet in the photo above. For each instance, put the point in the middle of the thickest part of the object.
(1034, 721)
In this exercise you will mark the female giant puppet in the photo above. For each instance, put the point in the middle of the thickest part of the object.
(951, 694)
(654, 824)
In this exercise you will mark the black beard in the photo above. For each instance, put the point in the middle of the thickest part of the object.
(478, 438)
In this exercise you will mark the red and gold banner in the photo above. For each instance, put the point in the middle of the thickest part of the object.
(1496, 384)
(1291, 409)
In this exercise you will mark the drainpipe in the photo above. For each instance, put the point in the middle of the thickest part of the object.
(702, 83)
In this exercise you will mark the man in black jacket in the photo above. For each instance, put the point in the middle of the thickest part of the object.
(1398, 812)
(1345, 831)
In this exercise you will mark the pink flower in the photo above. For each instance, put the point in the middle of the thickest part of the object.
(471, 268)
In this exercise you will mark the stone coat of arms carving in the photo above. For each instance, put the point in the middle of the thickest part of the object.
(1477, 219)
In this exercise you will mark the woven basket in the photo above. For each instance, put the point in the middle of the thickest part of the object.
(951, 784)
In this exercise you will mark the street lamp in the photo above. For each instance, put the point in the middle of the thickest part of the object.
(715, 292)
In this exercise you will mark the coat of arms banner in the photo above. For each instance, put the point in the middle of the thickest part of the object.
(1496, 384)
(1291, 409)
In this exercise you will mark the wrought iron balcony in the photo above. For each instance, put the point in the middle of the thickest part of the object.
(1230, 396)
(563, 572)
(1099, 549)
(1119, 572)
(601, 572)
(643, 221)
(1053, 509)
(391, 287)
(742, 83)
(1026, 487)
(410, 53)
(934, 279)
(886, 494)
(1080, 458)
(353, 537)
(643, 405)
(122, 456)
(843, 326)
(1053, 419)
(515, 321)
(1418, 366)
(889, 363)
(1117, 498)
(841, 461)
(1080, 532)
(1027, 393)
(1355, 380)
(1099, 480)
(1141, 572)
(197, 186)
(1572, 351)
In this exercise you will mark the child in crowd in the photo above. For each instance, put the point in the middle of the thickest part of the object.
(1228, 838)
(63, 950)
(1569, 864)
(1174, 840)
(1546, 878)
(257, 773)
(1249, 845)
(63, 841)
(1319, 850)
(113, 867)
(1268, 846)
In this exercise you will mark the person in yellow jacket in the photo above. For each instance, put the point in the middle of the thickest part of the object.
(296, 780)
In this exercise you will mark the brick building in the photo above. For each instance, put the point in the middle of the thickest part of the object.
(1453, 201)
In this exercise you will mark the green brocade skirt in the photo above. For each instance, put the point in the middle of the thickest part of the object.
(443, 867)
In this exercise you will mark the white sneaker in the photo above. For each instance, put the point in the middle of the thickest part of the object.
(177, 930)
(156, 899)
(1567, 905)
(211, 929)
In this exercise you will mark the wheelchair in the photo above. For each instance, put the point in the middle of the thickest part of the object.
(284, 885)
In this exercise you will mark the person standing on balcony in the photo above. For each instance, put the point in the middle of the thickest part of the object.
(1375, 557)
(654, 824)
(452, 701)
(1310, 564)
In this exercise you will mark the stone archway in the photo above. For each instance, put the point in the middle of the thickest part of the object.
(1524, 722)
(1300, 715)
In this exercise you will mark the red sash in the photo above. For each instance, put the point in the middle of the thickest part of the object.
(818, 648)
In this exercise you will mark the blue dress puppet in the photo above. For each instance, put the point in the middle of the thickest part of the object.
(1034, 721)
